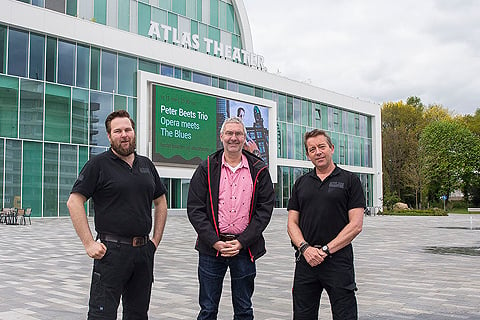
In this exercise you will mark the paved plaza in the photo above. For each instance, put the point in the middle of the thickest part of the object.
(407, 268)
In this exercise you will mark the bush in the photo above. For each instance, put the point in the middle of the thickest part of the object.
(426, 212)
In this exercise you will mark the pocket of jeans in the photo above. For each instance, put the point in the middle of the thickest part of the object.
(97, 295)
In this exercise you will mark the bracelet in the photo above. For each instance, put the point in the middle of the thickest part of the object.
(303, 246)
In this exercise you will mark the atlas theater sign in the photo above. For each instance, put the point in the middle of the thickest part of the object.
(218, 49)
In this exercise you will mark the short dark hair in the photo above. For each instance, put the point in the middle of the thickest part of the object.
(314, 133)
(117, 114)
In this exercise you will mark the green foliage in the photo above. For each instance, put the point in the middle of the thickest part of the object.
(450, 156)
(390, 199)
(429, 212)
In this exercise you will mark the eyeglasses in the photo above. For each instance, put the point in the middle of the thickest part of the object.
(233, 133)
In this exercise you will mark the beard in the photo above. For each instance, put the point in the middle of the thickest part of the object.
(124, 152)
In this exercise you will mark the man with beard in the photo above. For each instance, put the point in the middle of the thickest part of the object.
(123, 186)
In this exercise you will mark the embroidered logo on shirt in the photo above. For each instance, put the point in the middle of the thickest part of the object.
(144, 170)
(336, 184)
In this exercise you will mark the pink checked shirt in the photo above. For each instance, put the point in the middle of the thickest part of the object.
(234, 197)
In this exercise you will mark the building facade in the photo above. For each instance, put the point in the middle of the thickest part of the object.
(66, 64)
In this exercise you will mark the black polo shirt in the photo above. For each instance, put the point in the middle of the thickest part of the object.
(122, 196)
(324, 205)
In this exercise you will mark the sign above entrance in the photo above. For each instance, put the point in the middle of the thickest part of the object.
(213, 47)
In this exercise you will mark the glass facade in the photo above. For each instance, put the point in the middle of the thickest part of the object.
(55, 95)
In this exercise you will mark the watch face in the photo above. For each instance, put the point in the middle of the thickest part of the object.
(325, 249)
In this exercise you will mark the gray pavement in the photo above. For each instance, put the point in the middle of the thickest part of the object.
(45, 273)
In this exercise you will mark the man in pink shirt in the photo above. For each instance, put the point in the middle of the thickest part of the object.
(230, 203)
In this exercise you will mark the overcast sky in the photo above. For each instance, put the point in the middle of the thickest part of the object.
(375, 50)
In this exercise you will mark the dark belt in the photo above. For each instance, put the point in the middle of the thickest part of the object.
(227, 236)
(133, 241)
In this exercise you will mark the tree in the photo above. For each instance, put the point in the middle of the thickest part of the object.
(450, 157)
(401, 127)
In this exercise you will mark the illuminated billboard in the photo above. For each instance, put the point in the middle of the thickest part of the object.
(186, 125)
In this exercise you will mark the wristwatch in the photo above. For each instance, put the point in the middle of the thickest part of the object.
(326, 250)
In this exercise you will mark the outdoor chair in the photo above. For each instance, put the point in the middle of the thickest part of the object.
(20, 218)
(28, 213)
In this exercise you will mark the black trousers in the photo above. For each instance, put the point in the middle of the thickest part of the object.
(127, 272)
(335, 275)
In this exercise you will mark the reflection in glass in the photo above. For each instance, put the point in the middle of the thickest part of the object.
(31, 109)
(109, 71)
(57, 113)
(17, 52)
(68, 175)
(37, 56)
(66, 62)
(50, 180)
(101, 105)
(83, 56)
(13, 165)
(79, 116)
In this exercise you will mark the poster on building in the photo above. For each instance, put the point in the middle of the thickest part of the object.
(186, 125)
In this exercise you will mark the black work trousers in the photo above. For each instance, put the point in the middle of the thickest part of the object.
(335, 275)
(125, 271)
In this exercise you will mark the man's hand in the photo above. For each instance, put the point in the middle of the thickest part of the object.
(228, 248)
(95, 250)
(313, 256)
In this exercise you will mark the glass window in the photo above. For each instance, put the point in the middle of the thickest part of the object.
(79, 116)
(160, 16)
(37, 56)
(246, 89)
(31, 109)
(172, 22)
(214, 13)
(305, 113)
(192, 9)
(17, 52)
(82, 157)
(184, 25)
(72, 8)
(222, 15)
(205, 11)
(166, 70)
(199, 10)
(9, 106)
(3, 48)
(230, 17)
(298, 142)
(180, 7)
(66, 63)
(132, 108)
(297, 110)
(127, 75)
(165, 4)
(232, 86)
(83, 66)
(57, 113)
(177, 73)
(100, 11)
(51, 69)
(282, 108)
(38, 3)
(109, 71)
(95, 69)
(133, 16)
(112, 13)
(55, 5)
(144, 18)
(119, 103)
(68, 175)
(202, 33)
(101, 105)
(148, 66)
(50, 180)
(214, 34)
(13, 172)
(124, 15)
(32, 176)
(289, 109)
(2, 146)
(186, 75)
(201, 78)
(290, 140)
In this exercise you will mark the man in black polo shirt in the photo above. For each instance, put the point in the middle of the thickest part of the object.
(123, 186)
(325, 213)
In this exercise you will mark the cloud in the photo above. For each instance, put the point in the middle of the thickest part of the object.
(375, 50)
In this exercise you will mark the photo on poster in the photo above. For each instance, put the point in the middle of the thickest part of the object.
(186, 125)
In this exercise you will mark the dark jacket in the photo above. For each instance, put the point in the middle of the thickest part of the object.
(202, 205)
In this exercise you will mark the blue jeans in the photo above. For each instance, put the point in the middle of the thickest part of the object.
(211, 272)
